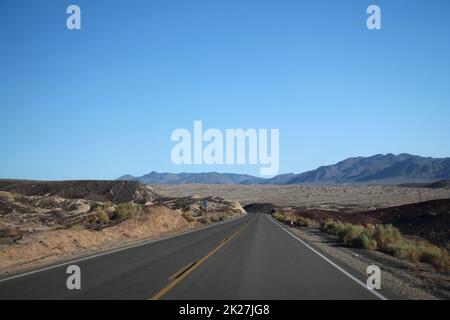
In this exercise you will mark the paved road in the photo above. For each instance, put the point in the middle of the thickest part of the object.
(249, 258)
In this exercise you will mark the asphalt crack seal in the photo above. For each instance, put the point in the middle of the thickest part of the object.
(188, 269)
(183, 271)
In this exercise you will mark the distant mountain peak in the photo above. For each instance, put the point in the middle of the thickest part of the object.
(126, 177)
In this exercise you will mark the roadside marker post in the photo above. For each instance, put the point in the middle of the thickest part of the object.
(205, 208)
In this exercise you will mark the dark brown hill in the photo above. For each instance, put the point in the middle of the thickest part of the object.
(102, 191)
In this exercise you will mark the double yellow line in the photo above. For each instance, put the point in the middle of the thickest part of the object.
(190, 268)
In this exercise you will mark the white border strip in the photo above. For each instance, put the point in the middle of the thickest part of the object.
(120, 249)
(378, 295)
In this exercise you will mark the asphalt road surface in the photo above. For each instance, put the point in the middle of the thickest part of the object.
(251, 258)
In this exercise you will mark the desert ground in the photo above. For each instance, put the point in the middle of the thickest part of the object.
(334, 197)
(43, 223)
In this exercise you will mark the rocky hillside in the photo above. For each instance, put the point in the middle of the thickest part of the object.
(216, 206)
(101, 191)
(32, 206)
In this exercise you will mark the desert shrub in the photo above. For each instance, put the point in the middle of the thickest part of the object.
(280, 217)
(101, 215)
(276, 215)
(105, 206)
(332, 227)
(354, 235)
(312, 223)
(365, 241)
(406, 250)
(437, 257)
(304, 222)
(127, 210)
(287, 219)
(223, 217)
(347, 233)
(325, 226)
(215, 219)
(420, 251)
(296, 219)
(389, 240)
(207, 220)
(385, 235)
(188, 216)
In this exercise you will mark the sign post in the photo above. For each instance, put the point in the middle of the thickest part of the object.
(205, 208)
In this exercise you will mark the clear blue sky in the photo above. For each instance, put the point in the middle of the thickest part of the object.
(103, 101)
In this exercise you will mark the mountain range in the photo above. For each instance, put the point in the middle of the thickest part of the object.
(377, 169)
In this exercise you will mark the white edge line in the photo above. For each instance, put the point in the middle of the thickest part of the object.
(378, 295)
(118, 250)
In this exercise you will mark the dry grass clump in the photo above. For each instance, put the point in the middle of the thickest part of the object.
(386, 235)
(127, 210)
(296, 220)
(101, 215)
(207, 220)
(421, 251)
(388, 239)
(188, 216)
(219, 218)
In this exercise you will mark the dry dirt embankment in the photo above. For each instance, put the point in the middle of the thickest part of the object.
(45, 222)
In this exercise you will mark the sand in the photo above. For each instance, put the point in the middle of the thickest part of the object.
(360, 197)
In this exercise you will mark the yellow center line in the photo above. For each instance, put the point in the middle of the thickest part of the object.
(176, 281)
